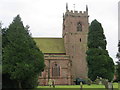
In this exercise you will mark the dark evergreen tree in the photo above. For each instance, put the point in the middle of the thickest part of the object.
(0, 45)
(118, 63)
(0, 55)
(6, 81)
(22, 59)
(100, 64)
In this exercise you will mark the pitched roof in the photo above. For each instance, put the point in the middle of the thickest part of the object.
(50, 45)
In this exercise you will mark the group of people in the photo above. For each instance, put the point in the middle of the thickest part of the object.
(51, 82)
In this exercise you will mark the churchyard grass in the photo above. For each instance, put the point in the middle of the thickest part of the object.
(115, 85)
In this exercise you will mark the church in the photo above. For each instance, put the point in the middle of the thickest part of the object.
(65, 58)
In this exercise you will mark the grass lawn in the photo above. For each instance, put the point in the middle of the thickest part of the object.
(115, 85)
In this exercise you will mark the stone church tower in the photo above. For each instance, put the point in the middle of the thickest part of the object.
(75, 31)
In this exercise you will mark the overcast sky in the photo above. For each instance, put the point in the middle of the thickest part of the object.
(45, 16)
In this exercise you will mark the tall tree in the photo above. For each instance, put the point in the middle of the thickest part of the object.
(0, 55)
(0, 44)
(118, 62)
(100, 64)
(22, 60)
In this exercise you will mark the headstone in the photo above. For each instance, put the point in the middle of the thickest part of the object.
(110, 86)
(81, 85)
(50, 82)
(53, 83)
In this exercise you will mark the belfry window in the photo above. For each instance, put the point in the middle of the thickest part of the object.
(79, 26)
(56, 70)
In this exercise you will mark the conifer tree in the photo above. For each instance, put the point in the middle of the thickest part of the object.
(100, 64)
(0, 55)
(0, 44)
(118, 62)
(22, 60)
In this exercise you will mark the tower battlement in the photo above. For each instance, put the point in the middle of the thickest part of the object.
(76, 13)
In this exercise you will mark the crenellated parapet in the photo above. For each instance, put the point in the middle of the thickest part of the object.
(76, 13)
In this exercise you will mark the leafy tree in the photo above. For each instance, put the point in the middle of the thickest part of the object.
(0, 44)
(118, 62)
(22, 59)
(100, 64)
(0, 55)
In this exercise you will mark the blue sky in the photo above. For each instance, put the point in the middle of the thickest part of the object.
(45, 16)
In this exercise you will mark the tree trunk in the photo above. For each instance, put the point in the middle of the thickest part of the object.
(19, 83)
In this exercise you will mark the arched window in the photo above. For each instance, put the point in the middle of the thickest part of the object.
(79, 26)
(56, 70)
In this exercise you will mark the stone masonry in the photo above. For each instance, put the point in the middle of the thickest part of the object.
(76, 40)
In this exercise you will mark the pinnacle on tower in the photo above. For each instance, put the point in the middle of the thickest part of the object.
(66, 6)
(86, 8)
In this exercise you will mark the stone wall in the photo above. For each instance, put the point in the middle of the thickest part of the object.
(76, 41)
(65, 70)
